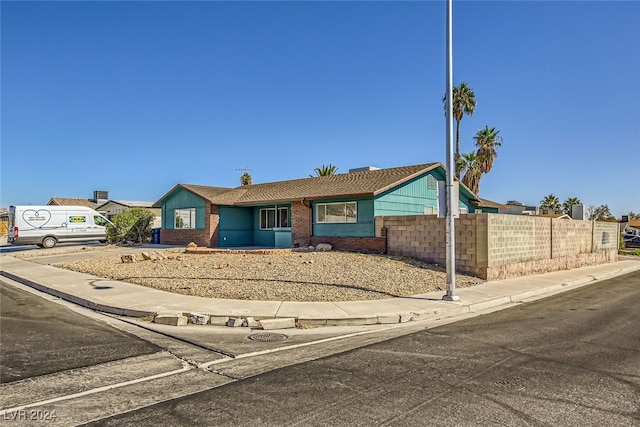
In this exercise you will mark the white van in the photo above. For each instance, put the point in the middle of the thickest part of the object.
(45, 226)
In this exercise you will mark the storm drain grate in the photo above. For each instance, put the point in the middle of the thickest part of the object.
(267, 337)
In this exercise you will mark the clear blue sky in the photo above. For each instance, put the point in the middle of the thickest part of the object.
(135, 97)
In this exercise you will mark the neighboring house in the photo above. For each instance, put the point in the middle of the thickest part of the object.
(555, 215)
(338, 209)
(487, 206)
(68, 201)
(514, 207)
(114, 207)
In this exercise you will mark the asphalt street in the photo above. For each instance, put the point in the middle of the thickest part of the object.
(571, 359)
(40, 338)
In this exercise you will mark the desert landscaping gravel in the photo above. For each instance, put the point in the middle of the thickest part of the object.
(286, 276)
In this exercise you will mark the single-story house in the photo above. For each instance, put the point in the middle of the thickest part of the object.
(113, 207)
(338, 209)
(69, 201)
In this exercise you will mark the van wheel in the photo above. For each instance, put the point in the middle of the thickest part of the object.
(48, 242)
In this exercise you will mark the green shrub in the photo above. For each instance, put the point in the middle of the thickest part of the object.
(133, 225)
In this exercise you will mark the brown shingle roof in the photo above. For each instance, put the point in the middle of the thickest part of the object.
(488, 203)
(365, 183)
(354, 184)
(68, 201)
(208, 193)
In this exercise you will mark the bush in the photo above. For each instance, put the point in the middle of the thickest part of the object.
(133, 225)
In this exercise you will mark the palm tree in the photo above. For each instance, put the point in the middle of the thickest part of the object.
(246, 179)
(325, 170)
(464, 102)
(487, 140)
(550, 202)
(469, 165)
(567, 205)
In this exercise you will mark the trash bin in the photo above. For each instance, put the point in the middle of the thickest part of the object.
(155, 236)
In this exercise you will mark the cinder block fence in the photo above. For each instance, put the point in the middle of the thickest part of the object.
(495, 246)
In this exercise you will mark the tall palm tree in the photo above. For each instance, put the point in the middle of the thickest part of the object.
(325, 170)
(487, 140)
(550, 202)
(567, 205)
(469, 165)
(464, 102)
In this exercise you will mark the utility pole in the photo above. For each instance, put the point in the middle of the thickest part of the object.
(451, 200)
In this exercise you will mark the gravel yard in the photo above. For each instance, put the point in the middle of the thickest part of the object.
(287, 276)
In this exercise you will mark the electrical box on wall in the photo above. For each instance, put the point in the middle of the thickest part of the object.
(442, 199)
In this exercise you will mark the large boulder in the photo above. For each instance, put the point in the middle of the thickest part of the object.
(322, 247)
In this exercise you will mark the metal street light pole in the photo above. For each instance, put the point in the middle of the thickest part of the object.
(451, 200)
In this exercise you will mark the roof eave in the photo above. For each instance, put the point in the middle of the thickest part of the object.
(297, 199)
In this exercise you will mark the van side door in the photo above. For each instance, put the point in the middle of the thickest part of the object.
(78, 224)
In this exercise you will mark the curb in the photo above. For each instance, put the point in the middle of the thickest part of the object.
(447, 311)
(77, 300)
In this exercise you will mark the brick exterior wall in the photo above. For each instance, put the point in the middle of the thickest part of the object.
(212, 228)
(203, 238)
(493, 246)
(300, 225)
(354, 244)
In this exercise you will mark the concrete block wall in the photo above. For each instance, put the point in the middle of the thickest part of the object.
(605, 235)
(570, 238)
(513, 238)
(423, 237)
(494, 246)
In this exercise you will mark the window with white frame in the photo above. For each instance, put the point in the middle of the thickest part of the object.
(283, 217)
(267, 218)
(185, 218)
(339, 212)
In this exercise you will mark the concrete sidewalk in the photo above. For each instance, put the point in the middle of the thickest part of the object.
(137, 301)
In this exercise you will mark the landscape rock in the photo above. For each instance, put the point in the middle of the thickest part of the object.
(251, 322)
(128, 258)
(192, 245)
(234, 322)
(198, 319)
(323, 247)
(146, 255)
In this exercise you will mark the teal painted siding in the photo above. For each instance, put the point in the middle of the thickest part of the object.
(265, 237)
(182, 199)
(240, 226)
(364, 227)
(282, 237)
(410, 198)
(235, 227)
